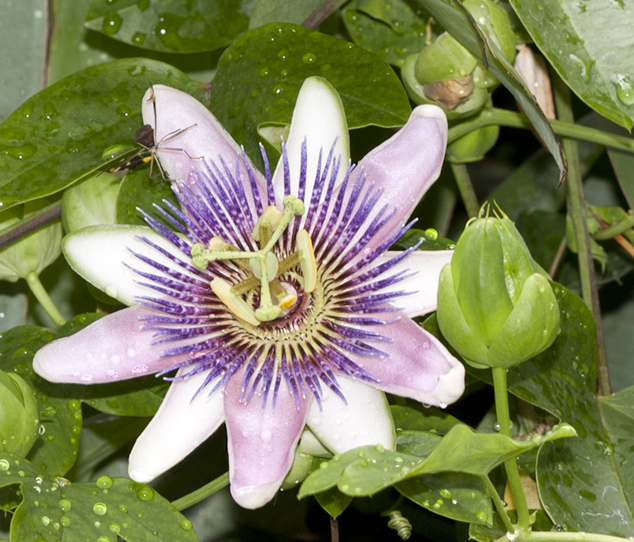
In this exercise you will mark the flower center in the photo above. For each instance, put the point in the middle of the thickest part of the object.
(276, 297)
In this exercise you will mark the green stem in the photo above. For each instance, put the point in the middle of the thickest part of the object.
(44, 299)
(465, 186)
(577, 209)
(510, 465)
(615, 229)
(202, 493)
(499, 505)
(561, 536)
(564, 128)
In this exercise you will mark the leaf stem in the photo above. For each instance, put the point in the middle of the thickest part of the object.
(465, 186)
(564, 128)
(33, 280)
(499, 505)
(615, 229)
(577, 209)
(510, 465)
(202, 492)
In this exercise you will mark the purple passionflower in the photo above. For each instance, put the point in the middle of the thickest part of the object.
(276, 301)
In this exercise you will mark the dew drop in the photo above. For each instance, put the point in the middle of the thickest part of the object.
(64, 521)
(138, 38)
(99, 508)
(122, 508)
(445, 493)
(309, 58)
(379, 448)
(111, 23)
(264, 72)
(145, 494)
(186, 525)
(104, 482)
(103, 539)
(45, 520)
(4, 465)
(65, 505)
(73, 404)
(114, 528)
(624, 89)
(278, 89)
(482, 516)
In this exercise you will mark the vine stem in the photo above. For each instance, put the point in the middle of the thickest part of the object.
(577, 209)
(33, 280)
(499, 505)
(510, 465)
(465, 187)
(561, 127)
(202, 492)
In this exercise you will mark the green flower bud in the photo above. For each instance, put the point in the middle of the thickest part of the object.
(495, 304)
(496, 23)
(444, 92)
(34, 252)
(18, 415)
(92, 202)
(443, 60)
(473, 146)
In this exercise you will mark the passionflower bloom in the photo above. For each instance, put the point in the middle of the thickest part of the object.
(275, 298)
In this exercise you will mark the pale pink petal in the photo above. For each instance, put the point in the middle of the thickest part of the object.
(423, 270)
(406, 165)
(319, 120)
(188, 136)
(418, 366)
(181, 424)
(105, 257)
(364, 420)
(112, 348)
(261, 441)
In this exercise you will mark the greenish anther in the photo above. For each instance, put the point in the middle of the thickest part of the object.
(263, 263)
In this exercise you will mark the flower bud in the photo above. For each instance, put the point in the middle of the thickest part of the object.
(18, 415)
(473, 146)
(34, 252)
(496, 306)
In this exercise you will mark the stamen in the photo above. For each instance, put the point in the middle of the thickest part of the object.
(307, 260)
(238, 306)
(271, 215)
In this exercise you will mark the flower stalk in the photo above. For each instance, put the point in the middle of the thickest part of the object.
(40, 293)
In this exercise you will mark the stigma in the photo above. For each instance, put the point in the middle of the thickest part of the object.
(263, 266)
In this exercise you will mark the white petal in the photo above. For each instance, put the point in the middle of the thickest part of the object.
(365, 420)
(179, 426)
(320, 120)
(425, 267)
(99, 254)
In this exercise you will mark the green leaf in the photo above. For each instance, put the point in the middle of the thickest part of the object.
(365, 471)
(138, 397)
(180, 26)
(13, 306)
(55, 450)
(486, 533)
(23, 44)
(451, 15)
(260, 74)
(590, 49)
(454, 495)
(623, 164)
(282, 11)
(333, 502)
(139, 191)
(404, 34)
(57, 137)
(54, 509)
(433, 420)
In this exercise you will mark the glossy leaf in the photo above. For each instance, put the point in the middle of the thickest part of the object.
(140, 192)
(453, 18)
(394, 40)
(282, 11)
(590, 45)
(333, 501)
(47, 145)
(260, 74)
(54, 509)
(23, 44)
(365, 471)
(179, 26)
(454, 495)
(432, 420)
